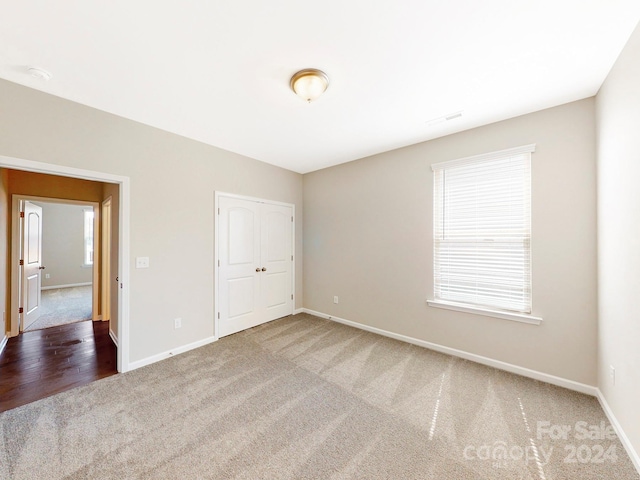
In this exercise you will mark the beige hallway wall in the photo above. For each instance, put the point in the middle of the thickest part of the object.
(63, 244)
(173, 180)
(368, 240)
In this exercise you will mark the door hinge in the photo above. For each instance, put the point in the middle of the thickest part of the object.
(292, 258)
(21, 262)
(21, 214)
(21, 310)
(292, 218)
(218, 315)
(292, 296)
(218, 262)
(218, 211)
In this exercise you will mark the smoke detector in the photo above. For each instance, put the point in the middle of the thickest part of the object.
(445, 118)
(39, 73)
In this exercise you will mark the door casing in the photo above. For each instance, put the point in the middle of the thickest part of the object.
(16, 239)
(105, 260)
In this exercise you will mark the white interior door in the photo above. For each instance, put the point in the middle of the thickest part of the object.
(32, 260)
(255, 263)
(276, 259)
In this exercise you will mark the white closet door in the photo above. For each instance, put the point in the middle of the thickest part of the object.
(256, 268)
(276, 255)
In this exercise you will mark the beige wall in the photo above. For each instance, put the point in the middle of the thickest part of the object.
(368, 240)
(618, 127)
(173, 180)
(63, 244)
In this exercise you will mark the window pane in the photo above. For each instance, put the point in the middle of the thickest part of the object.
(482, 232)
(88, 237)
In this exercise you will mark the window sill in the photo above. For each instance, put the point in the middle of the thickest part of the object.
(86, 265)
(516, 317)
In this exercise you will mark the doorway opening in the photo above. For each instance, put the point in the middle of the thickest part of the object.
(25, 177)
(56, 246)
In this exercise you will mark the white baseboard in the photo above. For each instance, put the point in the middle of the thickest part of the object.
(69, 285)
(298, 310)
(633, 455)
(114, 337)
(525, 372)
(3, 343)
(170, 353)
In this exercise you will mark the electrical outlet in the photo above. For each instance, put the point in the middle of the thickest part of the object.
(335, 299)
(142, 262)
(612, 373)
(177, 323)
(47, 275)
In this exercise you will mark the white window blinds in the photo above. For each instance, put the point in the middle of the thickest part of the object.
(482, 230)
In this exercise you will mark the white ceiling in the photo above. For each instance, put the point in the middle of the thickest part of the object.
(218, 71)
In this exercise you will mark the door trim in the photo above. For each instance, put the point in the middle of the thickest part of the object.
(124, 215)
(216, 277)
(105, 260)
(16, 238)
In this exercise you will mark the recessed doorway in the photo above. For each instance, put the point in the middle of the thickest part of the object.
(53, 248)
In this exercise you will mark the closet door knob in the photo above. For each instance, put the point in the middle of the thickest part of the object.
(258, 269)
(264, 269)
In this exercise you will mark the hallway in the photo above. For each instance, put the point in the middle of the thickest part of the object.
(38, 364)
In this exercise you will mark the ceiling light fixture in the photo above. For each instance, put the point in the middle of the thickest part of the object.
(39, 73)
(309, 83)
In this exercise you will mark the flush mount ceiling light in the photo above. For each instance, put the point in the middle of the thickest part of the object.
(39, 73)
(309, 83)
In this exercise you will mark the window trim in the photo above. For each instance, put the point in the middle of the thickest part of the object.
(522, 317)
(503, 314)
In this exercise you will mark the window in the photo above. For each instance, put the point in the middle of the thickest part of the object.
(88, 236)
(482, 231)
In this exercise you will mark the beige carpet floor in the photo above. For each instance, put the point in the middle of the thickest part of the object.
(306, 398)
(60, 306)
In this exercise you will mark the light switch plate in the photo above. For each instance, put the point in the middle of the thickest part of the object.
(142, 262)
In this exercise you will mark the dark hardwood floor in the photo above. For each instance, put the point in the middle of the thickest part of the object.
(38, 364)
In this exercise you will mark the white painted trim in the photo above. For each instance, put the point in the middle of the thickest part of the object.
(114, 337)
(16, 281)
(252, 199)
(633, 455)
(170, 353)
(3, 343)
(298, 310)
(516, 317)
(124, 222)
(508, 367)
(106, 246)
(68, 285)
(216, 257)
